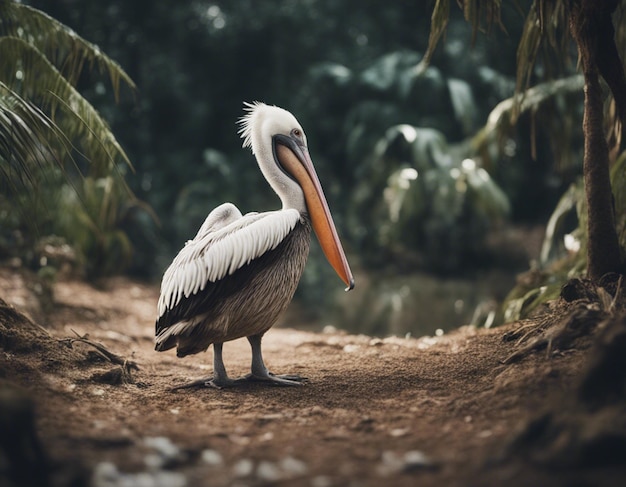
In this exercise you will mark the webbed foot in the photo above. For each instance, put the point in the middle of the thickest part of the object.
(279, 380)
(205, 382)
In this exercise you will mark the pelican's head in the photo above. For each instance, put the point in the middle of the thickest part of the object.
(262, 122)
(262, 128)
(280, 146)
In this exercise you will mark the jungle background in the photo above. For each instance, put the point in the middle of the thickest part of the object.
(427, 193)
(458, 201)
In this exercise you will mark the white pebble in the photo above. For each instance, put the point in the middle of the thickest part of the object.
(268, 472)
(162, 445)
(393, 463)
(153, 461)
(106, 474)
(390, 464)
(416, 458)
(212, 458)
(243, 468)
(398, 432)
(293, 467)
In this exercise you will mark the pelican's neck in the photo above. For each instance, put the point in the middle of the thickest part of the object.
(288, 190)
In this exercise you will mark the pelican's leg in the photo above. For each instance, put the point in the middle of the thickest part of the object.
(260, 372)
(220, 377)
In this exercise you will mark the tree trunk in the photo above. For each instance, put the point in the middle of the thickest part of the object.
(588, 23)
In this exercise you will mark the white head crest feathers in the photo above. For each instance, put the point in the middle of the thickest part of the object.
(262, 121)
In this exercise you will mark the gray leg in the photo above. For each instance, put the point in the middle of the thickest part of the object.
(260, 372)
(220, 377)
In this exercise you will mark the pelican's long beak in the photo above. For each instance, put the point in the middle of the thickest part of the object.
(294, 157)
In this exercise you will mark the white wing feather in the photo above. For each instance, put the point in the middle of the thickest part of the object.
(225, 242)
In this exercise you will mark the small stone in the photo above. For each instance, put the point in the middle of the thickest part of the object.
(153, 460)
(243, 468)
(163, 452)
(390, 464)
(398, 432)
(393, 463)
(162, 445)
(268, 472)
(292, 467)
(104, 474)
(415, 459)
(267, 436)
(212, 457)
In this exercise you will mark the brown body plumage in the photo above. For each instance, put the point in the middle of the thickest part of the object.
(245, 303)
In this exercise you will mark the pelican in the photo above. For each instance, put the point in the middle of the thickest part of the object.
(240, 272)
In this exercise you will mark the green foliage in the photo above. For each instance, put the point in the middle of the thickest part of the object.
(22, 149)
(562, 258)
(414, 194)
(563, 253)
(197, 63)
(545, 35)
(554, 108)
(50, 135)
(41, 61)
(91, 217)
(478, 13)
(428, 199)
(545, 32)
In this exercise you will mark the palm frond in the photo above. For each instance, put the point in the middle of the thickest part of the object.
(532, 98)
(473, 10)
(545, 26)
(481, 14)
(66, 50)
(44, 123)
(25, 69)
(503, 117)
(25, 137)
(438, 25)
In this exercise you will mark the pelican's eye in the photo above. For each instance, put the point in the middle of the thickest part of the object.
(297, 133)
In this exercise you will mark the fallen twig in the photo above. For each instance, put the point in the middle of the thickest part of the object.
(102, 350)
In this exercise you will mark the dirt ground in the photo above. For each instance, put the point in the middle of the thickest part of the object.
(432, 411)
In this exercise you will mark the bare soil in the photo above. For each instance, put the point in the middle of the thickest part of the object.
(472, 407)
